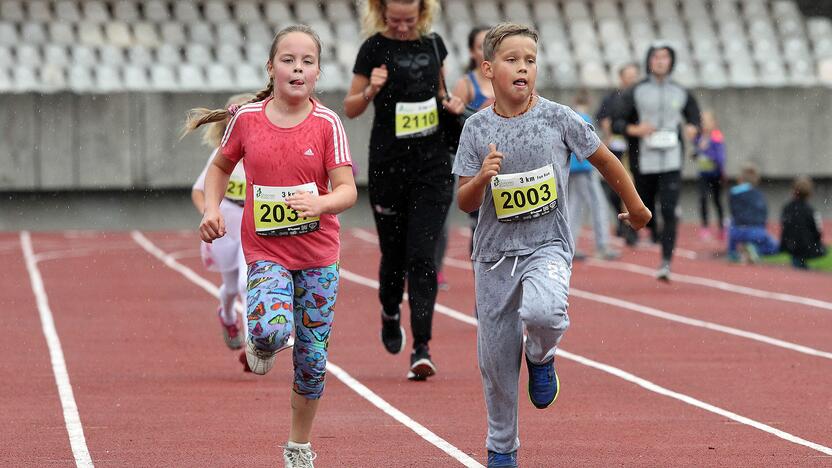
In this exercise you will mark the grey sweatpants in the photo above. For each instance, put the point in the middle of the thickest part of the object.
(532, 295)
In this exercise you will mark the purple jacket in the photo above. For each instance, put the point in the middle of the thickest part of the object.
(711, 161)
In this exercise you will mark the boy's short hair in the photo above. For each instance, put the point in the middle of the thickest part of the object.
(749, 173)
(803, 187)
(496, 35)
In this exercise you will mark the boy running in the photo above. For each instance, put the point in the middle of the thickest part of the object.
(513, 165)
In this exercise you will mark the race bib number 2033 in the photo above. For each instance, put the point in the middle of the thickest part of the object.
(274, 217)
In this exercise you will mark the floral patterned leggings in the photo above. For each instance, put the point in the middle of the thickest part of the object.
(280, 301)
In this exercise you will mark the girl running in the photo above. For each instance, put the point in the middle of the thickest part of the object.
(225, 255)
(410, 184)
(293, 149)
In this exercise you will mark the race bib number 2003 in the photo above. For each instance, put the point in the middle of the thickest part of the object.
(273, 217)
(525, 195)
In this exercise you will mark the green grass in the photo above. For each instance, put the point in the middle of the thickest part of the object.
(820, 264)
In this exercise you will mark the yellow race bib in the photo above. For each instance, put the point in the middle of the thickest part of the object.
(273, 217)
(236, 190)
(525, 195)
(415, 119)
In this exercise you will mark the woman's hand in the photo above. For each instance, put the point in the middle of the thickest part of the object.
(454, 105)
(306, 204)
(212, 225)
(378, 78)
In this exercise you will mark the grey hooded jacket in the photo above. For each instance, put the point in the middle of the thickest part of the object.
(667, 106)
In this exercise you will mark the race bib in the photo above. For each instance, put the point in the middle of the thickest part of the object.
(618, 144)
(525, 195)
(663, 139)
(236, 190)
(705, 164)
(416, 118)
(273, 217)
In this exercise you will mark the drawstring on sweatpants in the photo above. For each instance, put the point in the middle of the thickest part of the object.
(513, 268)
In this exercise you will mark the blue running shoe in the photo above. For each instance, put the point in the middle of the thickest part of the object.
(502, 460)
(543, 383)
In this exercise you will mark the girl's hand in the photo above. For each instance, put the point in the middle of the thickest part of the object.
(306, 204)
(212, 225)
(636, 219)
(492, 164)
(454, 105)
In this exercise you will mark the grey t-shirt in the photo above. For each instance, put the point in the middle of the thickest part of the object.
(544, 135)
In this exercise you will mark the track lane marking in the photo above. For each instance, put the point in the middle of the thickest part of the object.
(682, 278)
(336, 370)
(72, 419)
(629, 377)
(645, 310)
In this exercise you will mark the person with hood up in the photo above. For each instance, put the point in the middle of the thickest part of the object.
(657, 115)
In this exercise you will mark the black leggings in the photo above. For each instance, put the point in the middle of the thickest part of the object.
(710, 187)
(410, 198)
(666, 187)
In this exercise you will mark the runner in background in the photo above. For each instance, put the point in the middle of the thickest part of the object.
(398, 69)
(610, 107)
(225, 255)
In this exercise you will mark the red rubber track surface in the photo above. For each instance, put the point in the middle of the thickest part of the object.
(155, 385)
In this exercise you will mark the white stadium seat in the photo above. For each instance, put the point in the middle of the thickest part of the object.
(67, 11)
(108, 79)
(136, 78)
(53, 77)
(39, 10)
(12, 10)
(163, 78)
(95, 11)
(125, 10)
(216, 11)
(219, 78)
(25, 79)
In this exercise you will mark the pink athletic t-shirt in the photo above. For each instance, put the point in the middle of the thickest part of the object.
(286, 157)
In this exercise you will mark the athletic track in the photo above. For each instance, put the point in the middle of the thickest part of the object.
(112, 356)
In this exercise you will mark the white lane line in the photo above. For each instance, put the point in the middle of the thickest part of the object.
(337, 371)
(698, 280)
(72, 419)
(646, 384)
(721, 285)
(699, 323)
(466, 265)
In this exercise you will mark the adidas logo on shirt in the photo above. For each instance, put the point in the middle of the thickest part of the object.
(309, 152)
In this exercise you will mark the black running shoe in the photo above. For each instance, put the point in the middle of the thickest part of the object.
(392, 333)
(421, 367)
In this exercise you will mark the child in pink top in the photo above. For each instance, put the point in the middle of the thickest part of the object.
(293, 149)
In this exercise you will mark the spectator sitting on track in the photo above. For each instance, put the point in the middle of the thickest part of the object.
(801, 234)
(747, 235)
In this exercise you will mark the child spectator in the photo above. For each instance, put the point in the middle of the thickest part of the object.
(801, 235)
(586, 193)
(749, 213)
(710, 161)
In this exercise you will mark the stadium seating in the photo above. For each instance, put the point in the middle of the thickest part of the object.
(54, 45)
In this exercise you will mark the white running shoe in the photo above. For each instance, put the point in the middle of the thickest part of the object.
(259, 361)
(298, 457)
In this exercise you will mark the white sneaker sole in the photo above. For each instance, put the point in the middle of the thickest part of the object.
(421, 370)
(261, 366)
